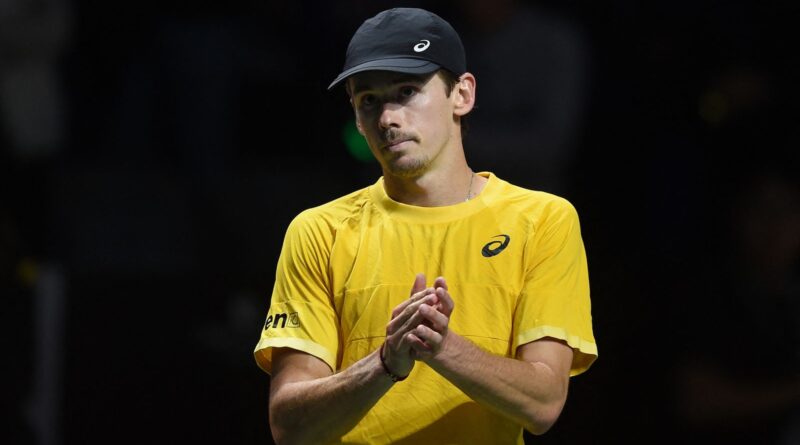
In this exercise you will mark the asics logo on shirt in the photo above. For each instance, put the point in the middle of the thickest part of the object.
(422, 46)
(492, 248)
(282, 320)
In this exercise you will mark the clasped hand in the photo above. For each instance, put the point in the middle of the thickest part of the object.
(419, 325)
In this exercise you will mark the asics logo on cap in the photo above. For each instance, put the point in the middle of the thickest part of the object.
(422, 46)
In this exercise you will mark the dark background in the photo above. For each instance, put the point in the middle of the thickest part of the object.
(154, 152)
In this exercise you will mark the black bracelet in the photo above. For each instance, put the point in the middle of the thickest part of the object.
(395, 377)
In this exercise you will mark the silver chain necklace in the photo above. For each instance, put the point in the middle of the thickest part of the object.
(469, 189)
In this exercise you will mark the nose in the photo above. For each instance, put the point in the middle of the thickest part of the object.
(390, 115)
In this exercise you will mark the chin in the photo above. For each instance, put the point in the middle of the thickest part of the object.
(406, 168)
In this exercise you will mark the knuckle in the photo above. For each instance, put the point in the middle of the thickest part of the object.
(410, 310)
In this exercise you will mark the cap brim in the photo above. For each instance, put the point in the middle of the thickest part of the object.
(404, 65)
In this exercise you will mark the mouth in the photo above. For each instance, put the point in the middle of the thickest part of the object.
(396, 144)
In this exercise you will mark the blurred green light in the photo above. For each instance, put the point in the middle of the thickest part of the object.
(355, 143)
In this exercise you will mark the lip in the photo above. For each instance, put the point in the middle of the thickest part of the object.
(396, 145)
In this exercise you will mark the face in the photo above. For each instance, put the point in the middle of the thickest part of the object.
(407, 120)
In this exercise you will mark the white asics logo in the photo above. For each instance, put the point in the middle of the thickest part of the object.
(422, 45)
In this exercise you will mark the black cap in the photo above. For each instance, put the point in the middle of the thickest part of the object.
(404, 40)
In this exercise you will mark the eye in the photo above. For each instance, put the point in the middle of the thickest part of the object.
(367, 100)
(407, 91)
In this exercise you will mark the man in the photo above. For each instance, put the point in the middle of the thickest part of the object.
(473, 356)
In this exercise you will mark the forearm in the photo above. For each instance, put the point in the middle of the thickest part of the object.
(323, 409)
(530, 393)
(309, 405)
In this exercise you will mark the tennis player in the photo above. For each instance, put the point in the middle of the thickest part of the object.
(437, 305)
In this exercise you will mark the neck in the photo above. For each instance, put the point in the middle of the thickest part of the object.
(435, 188)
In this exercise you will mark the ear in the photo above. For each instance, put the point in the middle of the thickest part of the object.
(464, 94)
(358, 121)
(358, 126)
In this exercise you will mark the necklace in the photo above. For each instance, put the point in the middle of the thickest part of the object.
(469, 189)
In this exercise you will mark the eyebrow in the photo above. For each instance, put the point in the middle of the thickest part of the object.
(400, 78)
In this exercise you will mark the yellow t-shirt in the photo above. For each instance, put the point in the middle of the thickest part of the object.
(515, 266)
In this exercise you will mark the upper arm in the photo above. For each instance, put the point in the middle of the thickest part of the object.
(553, 353)
(290, 366)
(301, 315)
(554, 301)
(293, 366)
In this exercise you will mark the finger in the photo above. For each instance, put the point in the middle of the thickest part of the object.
(440, 282)
(414, 298)
(428, 296)
(401, 319)
(446, 303)
(412, 322)
(424, 340)
(436, 320)
(445, 306)
(418, 290)
(419, 283)
(412, 316)
(417, 345)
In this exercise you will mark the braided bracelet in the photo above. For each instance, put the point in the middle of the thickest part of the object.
(395, 377)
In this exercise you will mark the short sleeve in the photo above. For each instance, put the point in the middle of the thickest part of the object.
(555, 298)
(301, 314)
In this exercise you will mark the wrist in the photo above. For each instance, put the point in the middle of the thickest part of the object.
(389, 372)
(449, 352)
